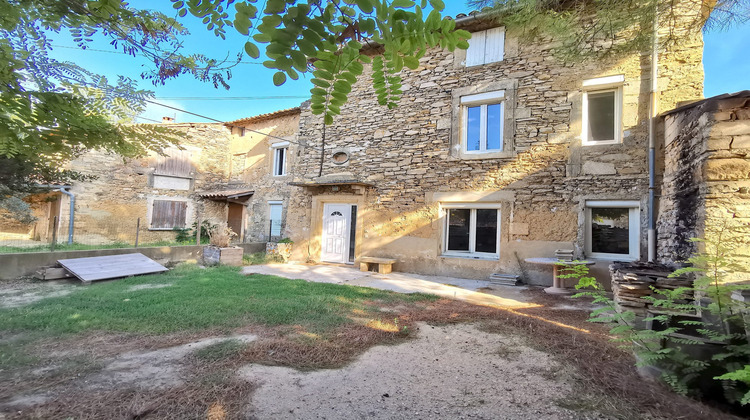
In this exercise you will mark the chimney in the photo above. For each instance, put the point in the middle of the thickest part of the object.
(167, 120)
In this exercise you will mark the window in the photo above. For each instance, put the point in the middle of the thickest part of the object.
(483, 122)
(242, 131)
(274, 218)
(167, 214)
(486, 47)
(472, 232)
(613, 230)
(602, 110)
(279, 158)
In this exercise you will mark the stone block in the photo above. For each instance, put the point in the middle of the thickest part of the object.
(731, 128)
(519, 229)
(599, 168)
(728, 169)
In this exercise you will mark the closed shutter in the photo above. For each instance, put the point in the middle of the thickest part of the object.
(475, 53)
(168, 214)
(495, 45)
(176, 163)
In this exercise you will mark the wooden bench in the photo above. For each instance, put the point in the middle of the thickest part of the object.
(385, 265)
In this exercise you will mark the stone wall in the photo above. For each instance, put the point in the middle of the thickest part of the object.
(409, 155)
(253, 154)
(706, 188)
(107, 208)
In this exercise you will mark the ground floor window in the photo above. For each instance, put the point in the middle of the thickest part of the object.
(274, 219)
(613, 230)
(472, 232)
(168, 214)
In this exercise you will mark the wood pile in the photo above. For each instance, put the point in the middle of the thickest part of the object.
(632, 282)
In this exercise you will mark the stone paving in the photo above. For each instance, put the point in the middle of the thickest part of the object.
(478, 292)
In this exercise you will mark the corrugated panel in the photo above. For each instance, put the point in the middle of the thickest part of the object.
(495, 45)
(475, 53)
(111, 266)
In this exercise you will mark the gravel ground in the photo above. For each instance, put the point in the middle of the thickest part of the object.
(456, 372)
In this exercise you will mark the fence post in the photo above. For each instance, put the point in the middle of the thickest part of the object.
(54, 234)
(137, 231)
(198, 231)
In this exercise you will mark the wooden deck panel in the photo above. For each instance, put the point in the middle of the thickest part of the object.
(111, 266)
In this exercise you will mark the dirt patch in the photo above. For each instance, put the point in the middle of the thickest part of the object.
(147, 286)
(447, 372)
(26, 291)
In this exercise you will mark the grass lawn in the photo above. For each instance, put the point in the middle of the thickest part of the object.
(196, 299)
(84, 247)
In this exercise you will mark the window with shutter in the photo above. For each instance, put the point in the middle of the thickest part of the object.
(168, 214)
(177, 163)
(486, 47)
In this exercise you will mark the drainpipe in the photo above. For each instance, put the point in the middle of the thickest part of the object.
(72, 213)
(653, 110)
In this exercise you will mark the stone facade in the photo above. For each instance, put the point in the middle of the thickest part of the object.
(253, 156)
(706, 188)
(407, 165)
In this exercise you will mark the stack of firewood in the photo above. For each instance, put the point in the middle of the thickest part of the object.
(631, 282)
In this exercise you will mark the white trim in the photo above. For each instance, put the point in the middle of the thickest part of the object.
(602, 81)
(618, 117)
(478, 98)
(634, 230)
(482, 100)
(471, 253)
(276, 152)
(280, 144)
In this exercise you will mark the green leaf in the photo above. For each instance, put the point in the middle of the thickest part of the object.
(279, 78)
(411, 62)
(252, 50)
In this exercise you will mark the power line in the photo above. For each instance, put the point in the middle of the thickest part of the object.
(247, 129)
(147, 119)
(229, 98)
(124, 53)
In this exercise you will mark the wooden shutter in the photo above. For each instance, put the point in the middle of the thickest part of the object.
(168, 214)
(176, 163)
(494, 45)
(475, 53)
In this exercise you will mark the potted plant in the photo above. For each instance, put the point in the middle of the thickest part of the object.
(281, 249)
(219, 251)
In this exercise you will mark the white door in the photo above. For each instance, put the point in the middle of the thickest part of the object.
(336, 223)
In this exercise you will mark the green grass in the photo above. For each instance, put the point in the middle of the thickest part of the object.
(260, 258)
(197, 299)
(220, 351)
(83, 247)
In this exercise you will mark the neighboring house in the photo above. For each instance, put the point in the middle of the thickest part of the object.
(494, 154)
(264, 149)
(232, 174)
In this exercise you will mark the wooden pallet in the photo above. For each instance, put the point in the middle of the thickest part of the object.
(111, 266)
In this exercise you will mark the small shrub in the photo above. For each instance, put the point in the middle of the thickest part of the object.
(286, 241)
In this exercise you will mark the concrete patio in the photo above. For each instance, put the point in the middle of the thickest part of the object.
(478, 292)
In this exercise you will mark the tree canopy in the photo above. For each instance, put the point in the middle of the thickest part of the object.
(53, 111)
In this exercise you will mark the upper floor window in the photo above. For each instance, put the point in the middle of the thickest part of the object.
(482, 129)
(613, 230)
(486, 47)
(602, 110)
(279, 158)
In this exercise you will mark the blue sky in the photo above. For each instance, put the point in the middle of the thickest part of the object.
(726, 63)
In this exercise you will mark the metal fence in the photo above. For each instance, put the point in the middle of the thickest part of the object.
(57, 234)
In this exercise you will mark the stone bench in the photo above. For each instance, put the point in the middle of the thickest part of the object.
(385, 265)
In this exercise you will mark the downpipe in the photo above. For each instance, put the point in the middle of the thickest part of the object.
(71, 225)
(653, 110)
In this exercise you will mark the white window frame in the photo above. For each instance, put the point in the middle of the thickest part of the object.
(634, 230)
(276, 148)
(478, 47)
(482, 100)
(602, 85)
(281, 215)
(471, 253)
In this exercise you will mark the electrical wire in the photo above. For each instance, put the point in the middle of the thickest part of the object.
(246, 129)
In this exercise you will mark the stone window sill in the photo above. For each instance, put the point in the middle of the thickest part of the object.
(472, 257)
(488, 155)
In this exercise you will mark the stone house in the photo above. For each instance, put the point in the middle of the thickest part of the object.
(230, 174)
(493, 155)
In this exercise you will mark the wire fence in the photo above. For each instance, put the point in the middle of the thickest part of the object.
(57, 234)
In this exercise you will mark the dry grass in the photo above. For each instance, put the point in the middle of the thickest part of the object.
(212, 390)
